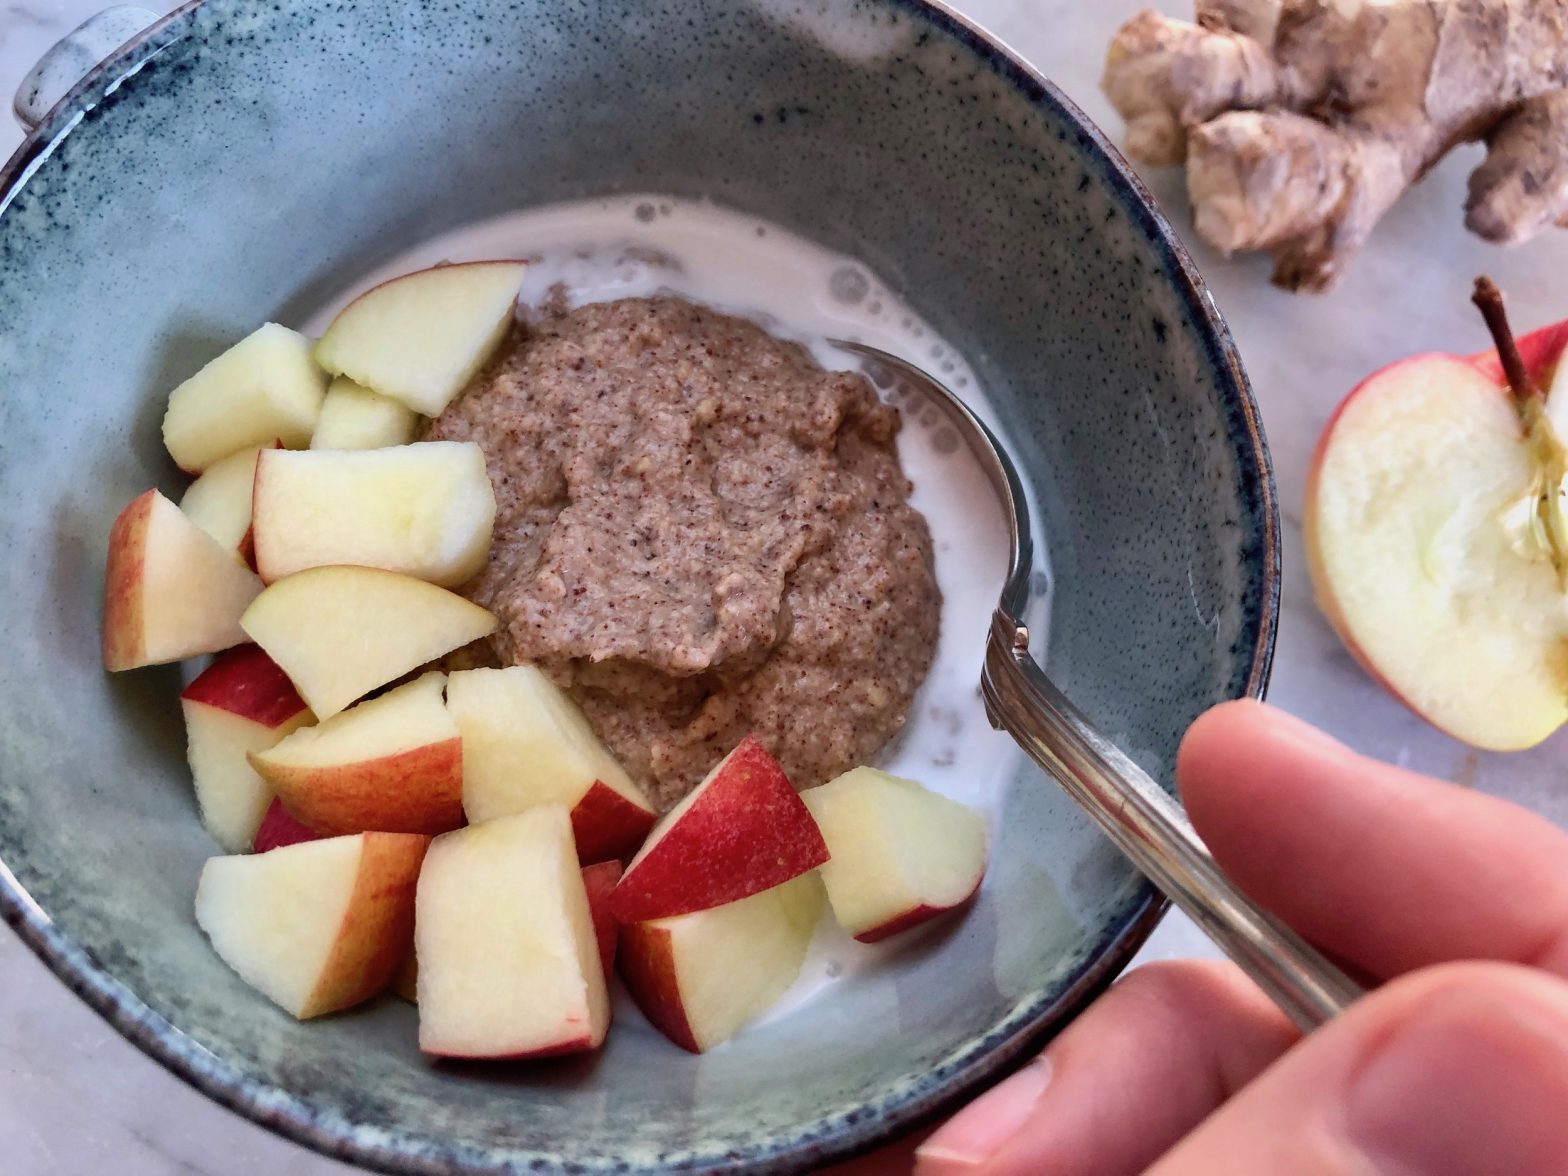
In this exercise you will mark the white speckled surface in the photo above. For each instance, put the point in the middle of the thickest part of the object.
(75, 1098)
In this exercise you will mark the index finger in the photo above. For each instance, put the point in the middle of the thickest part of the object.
(1387, 869)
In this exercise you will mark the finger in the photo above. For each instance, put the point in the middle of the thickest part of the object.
(1138, 1070)
(1387, 869)
(1457, 1069)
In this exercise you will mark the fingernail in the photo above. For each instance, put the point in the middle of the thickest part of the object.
(1466, 1090)
(983, 1129)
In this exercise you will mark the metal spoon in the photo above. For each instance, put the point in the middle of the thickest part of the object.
(1139, 816)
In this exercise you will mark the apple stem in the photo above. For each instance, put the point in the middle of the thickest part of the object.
(1489, 300)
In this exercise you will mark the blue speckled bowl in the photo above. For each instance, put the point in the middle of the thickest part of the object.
(245, 158)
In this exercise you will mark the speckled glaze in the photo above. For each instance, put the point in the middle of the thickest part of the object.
(262, 153)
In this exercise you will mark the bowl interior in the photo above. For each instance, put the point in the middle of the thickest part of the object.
(265, 153)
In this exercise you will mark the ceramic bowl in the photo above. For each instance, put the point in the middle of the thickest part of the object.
(244, 159)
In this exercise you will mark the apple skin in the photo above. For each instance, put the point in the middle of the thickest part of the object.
(743, 830)
(246, 682)
(1541, 351)
(349, 798)
(607, 825)
(599, 881)
(279, 827)
(912, 918)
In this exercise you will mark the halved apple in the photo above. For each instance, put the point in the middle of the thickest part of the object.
(1425, 544)
(700, 977)
(264, 388)
(741, 831)
(219, 501)
(354, 417)
(525, 743)
(241, 703)
(423, 510)
(170, 592)
(901, 854)
(317, 926)
(421, 337)
(508, 962)
(279, 827)
(598, 880)
(392, 764)
(340, 632)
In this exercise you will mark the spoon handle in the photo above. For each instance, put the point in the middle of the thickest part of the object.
(1150, 828)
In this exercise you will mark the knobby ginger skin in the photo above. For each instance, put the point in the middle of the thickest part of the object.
(1301, 122)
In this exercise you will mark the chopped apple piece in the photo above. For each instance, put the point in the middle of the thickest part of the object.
(316, 926)
(741, 831)
(241, 703)
(700, 977)
(599, 880)
(392, 764)
(341, 632)
(423, 510)
(901, 854)
(264, 388)
(421, 337)
(508, 962)
(525, 743)
(354, 417)
(279, 828)
(219, 501)
(170, 591)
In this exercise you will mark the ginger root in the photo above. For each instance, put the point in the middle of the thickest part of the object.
(1301, 122)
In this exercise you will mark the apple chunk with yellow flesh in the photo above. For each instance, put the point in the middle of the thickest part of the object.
(242, 703)
(508, 962)
(354, 417)
(742, 830)
(392, 764)
(340, 632)
(421, 337)
(265, 388)
(526, 743)
(170, 591)
(700, 977)
(423, 510)
(1430, 545)
(598, 880)
(317, 926)
(901, 854)
(219, 501)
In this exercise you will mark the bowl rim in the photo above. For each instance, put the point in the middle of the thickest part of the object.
(978, 1063)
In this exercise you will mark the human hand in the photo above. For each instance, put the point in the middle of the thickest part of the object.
(1458, 902)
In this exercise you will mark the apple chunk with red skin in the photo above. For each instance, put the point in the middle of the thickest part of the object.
(391, 764)
(598, 880)
(170, 591)
(420, 338)
(700, 977)
(341, 632)
(742, 830)
(317, 926)
(901, 854)
(1417, 526)
(508, 962)
(525, 743)
(242, 703)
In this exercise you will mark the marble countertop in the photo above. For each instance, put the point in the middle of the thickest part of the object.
(76, 1098)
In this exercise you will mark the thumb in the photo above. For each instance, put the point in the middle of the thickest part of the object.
(1461, 1068)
